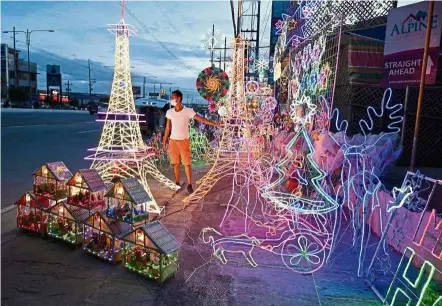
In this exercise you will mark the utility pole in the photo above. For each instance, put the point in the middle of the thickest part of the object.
(15, 61)
(144, 87)
(212, 40)
(422, 84)
(91, 81)
(68, 89)
(28, 42)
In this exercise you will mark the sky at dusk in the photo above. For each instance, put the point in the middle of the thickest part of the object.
(81, 34)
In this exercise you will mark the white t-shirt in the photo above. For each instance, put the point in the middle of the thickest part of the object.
(180, 122)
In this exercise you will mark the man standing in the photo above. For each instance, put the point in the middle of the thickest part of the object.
(179, 145)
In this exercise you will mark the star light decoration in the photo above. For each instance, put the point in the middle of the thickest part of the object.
(303, 111)
(294, 25)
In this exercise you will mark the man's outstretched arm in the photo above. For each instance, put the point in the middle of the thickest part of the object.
(206, 121)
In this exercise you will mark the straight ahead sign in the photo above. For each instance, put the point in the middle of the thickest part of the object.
(405, 42)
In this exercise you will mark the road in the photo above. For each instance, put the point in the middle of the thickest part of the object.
(33, 137)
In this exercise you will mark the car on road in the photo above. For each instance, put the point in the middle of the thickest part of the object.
(92, 108)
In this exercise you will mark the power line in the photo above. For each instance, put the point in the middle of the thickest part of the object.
(267, 16)
(173, 26)
(151, 34)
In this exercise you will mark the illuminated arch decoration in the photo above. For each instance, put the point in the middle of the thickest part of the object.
(212, 84)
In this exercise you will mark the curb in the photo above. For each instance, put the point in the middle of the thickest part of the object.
(8, 209)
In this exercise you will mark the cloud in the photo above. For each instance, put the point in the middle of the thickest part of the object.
(81, 34)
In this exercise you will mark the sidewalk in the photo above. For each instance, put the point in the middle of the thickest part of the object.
(42, 272)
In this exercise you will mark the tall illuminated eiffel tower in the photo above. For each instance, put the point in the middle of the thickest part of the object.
(236, 144)
(121, 152)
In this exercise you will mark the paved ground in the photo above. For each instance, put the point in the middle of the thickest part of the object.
(43, 272)
(33, 137)
(36, 271)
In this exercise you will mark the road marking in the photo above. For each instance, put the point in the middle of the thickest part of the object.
(82, 132)
(20, 126)
(7, 209)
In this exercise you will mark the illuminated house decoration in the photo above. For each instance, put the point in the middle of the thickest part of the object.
(151, 251)
(31, 213)
(102, 237)
(50, 183)
(121, 152)
(86, 190)
(66, 222)
(129, 202)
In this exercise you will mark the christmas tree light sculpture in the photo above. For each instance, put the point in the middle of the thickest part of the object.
(311, 198)
(121, 152)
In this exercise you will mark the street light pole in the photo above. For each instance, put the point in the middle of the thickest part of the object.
(28, 42)
(15, 60)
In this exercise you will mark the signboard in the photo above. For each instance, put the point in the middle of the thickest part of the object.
(53, 75)
(136, 90)
(405, 42)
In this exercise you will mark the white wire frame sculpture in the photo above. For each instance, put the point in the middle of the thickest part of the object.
(121, 152)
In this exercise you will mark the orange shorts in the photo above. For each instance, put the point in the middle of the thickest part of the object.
(179, 148)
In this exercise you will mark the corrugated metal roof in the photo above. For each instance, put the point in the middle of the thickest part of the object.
(93, 180)
(59, 170)
(118, 228)
(80, 214)
(136, 190)
(161, 237)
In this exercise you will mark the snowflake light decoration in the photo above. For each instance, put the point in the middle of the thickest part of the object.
(211, 40)
(261, 65)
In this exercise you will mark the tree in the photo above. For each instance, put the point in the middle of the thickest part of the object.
(17, 94)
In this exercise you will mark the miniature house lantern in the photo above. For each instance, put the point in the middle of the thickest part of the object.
(102, 237)
(50, 182)
(128, 201)
(151, 251)
(66, 222)
(32, 214)
(86, 190)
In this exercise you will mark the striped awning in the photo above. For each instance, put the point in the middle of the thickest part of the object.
(365, 60)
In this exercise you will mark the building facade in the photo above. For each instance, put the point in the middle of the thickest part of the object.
(9, 58)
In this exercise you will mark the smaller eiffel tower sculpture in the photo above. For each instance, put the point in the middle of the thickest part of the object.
(235, 148)
(121, 152)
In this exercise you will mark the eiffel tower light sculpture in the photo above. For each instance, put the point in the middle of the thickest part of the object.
(236, 146)
(121, 152)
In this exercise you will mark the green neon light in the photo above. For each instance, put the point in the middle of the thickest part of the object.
(426, 266)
